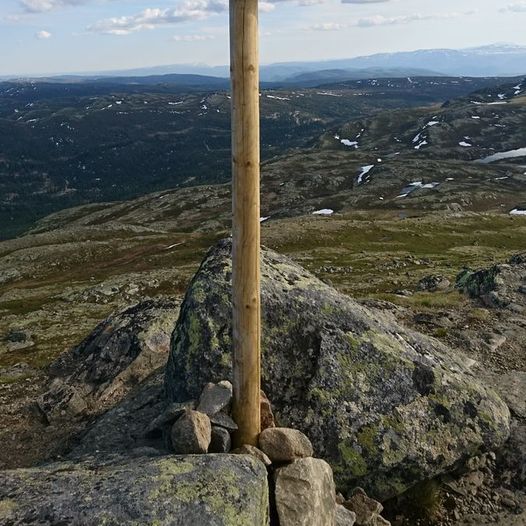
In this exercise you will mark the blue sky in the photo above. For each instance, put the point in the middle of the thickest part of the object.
(58, 36)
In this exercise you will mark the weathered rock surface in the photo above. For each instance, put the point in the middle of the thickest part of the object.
(114, 358)
(433, 283)
(512, 388)
(223, 420)
(366, 510)
(121, 429)
(220, 441)
(502, 286)
(344, 517)
(215, 397)
(267, 415)
(305, 493)
(247, 449)
(169, 415)
(282, 444)
(191, 433)
(385, 405)
(167, 490)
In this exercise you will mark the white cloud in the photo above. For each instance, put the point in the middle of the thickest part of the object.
(380, 20)
(192, 38)
(43, 35)
(517, 7)
(310, 2)
(266, 7)
(328, 26)
(151, 18)
(41, 6)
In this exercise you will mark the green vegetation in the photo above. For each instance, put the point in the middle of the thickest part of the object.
(65, 145)
(388, 254)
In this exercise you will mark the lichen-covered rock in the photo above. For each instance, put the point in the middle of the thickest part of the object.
(191, 433)
(122, 428)
(282, 444)
(174, 491)
(121, 352)
(385, 405)
(499, 286)
(305, 494)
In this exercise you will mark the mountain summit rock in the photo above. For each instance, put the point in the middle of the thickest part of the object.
(385, 405)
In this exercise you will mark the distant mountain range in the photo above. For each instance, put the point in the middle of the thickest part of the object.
(497, 60)
(189, 81)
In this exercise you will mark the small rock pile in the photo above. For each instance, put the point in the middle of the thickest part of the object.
(302, 487)
(202, 426)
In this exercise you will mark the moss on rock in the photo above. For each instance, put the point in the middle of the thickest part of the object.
(386, 406)
(217, 490)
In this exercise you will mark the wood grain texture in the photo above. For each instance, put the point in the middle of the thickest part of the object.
(244, 70)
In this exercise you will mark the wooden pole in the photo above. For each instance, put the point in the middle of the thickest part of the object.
(244, 71)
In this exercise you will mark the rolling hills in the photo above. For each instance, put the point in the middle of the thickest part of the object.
(63, 145)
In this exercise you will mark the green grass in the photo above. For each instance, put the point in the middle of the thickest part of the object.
(391, 253)
(24, 305)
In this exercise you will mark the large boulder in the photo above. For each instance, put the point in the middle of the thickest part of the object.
(386, 406)
(121, 352)
(499, 286)
(123, 428)
(217, 490)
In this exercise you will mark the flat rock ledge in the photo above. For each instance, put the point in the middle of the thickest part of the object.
(216, 490)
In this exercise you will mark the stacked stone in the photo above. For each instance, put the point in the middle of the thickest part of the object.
(203, 426)
(304, 490)
(304, 486)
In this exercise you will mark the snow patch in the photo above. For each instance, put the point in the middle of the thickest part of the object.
(520, 152)
(323, 212)
(496, 103)
(364, 172)
(411, 187)
(328, 94)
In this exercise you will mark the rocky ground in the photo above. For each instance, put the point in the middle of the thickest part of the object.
(481, 315)
(443, 268)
